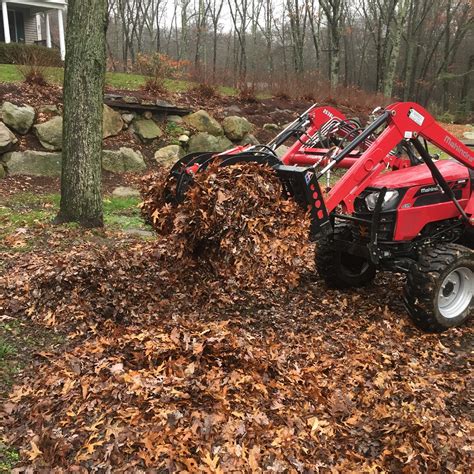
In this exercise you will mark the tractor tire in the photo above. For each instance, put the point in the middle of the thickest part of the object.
(439, 291)
(338, 269)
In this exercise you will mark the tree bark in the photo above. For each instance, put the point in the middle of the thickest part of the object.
(81, 199)
(396, 42)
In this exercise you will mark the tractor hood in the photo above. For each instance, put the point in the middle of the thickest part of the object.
(420, 175)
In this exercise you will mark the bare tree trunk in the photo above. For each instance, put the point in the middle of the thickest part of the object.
(334, 11)
(466, 99)
(314, 24)
(447, 39)
(200, 30)
(240, 18)
(183, 46)
(298, 16)
(81, 199)
(215, 9)
(393, 58)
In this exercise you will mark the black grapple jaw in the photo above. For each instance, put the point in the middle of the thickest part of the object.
(181, 174)
(301, 184)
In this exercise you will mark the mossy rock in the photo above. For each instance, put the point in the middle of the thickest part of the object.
(236, 128)
(203, 122)
(18, 118)
(50, 133)
(32, 162)
(203, 142)
(146, 129)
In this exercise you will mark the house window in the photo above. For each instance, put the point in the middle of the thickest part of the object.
(17, 26)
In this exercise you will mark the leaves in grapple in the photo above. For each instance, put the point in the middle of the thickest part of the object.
(236, 220)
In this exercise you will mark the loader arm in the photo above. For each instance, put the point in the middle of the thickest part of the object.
(403, 120)
(320, 120)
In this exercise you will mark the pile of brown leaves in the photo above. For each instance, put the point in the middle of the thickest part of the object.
(170, 364)
(235, 220)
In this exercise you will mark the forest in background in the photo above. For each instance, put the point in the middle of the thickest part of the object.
(420, 50)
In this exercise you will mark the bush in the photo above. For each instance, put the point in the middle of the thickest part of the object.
(247, 94)
(33, 75)
(282, 95)
(206, 91)
(154, 85)
(446, 117)
(160, 66)
(27, 54)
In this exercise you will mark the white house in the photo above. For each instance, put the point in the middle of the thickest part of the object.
(28, 21)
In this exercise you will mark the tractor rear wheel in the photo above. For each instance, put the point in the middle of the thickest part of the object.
(439, 292)
(339, 269)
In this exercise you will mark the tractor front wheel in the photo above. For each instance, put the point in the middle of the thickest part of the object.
(339, 269)
(439, 292)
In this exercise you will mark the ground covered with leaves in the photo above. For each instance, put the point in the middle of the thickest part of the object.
(215, 348)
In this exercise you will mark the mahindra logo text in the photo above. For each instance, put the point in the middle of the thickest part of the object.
(329, 114)
(456, 147)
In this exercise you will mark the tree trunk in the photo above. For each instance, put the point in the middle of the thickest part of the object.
(335, 55)
(447, 45)
(81, 199)
(396, 41)
(467, 91)
(214, 52)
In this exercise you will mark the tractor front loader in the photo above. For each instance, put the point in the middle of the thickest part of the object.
(397, 207)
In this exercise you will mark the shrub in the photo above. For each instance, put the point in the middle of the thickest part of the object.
(247, 94)
(19, 53)
(159, 65)
(174, 129)
(33, 75)
(281, 94)
(206, 91)
(155, 85)
(446, 117)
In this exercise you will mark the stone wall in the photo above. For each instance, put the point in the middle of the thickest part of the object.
(168, 139)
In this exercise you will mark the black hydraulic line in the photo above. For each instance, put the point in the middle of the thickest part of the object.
(438, 177)
(348, 217)
(294, 127)
(357, 141)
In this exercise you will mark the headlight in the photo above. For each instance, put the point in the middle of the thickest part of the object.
(390, 200)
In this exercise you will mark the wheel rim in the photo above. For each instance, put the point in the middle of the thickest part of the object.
(455, 293)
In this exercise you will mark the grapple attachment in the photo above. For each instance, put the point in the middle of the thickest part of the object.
(181, 175)
(301, 184)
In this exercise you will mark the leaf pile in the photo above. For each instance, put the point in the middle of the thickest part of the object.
(236, 221)
(314, 381)
(179, 362)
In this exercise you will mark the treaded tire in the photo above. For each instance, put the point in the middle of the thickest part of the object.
(425, 284)
(338, 269)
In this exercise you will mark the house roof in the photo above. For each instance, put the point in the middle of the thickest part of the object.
(46, 4)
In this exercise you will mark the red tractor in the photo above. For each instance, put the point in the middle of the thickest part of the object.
(397, 207)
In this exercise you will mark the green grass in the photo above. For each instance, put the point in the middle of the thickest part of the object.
(9, 73)
(123, 213)
(23, 212)
(118, 80)
(435, 150)
(5, 349)
(8, 458)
